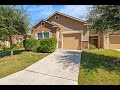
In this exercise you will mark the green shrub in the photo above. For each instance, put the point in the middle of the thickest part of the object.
(14, 45)
(30, 44)
(7, 53)
(4, 48)
(47, 45)
(35, 48)
(20, 45)
(92, 47)
(4, 53)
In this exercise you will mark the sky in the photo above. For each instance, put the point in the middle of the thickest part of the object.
(38, 12)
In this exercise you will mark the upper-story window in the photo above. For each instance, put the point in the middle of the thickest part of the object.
(46, 35)
(42, 23)
(56, 17)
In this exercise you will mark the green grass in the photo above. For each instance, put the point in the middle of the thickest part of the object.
(97, 68)
(12, 64)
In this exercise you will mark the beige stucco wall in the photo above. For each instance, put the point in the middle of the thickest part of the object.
(106, 41)
(68, 24)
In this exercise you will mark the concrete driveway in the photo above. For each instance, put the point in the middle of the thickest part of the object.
(58, 68)
(117, 49)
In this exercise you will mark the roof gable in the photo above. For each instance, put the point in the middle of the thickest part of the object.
(68, 16)
(45, 22)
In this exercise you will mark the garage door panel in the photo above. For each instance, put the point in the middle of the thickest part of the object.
(115, 41)
(72, 41)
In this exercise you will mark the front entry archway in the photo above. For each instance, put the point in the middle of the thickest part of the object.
(94, 41)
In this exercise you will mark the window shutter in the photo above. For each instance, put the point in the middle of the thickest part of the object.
(36, 36)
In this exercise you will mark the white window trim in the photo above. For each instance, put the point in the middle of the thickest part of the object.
(68, 32)
(47, 32)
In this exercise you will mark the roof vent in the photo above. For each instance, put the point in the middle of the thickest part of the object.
(56, 17)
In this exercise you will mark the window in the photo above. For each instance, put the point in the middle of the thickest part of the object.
(46, 35)
(39, 35)
(18, 40)
(42, 23)
(56, 17)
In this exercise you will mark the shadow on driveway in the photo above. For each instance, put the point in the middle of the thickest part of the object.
(69, 59)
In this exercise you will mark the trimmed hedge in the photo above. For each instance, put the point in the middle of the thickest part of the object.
(7, 53)
(47, 45)
(29, 44)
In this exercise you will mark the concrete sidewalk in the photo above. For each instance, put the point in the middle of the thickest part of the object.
(58, 68)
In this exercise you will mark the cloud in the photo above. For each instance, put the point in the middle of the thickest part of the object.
(38, 12)
(78, 11)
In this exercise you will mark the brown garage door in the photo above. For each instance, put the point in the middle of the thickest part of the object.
(72, 41)
(115, 41)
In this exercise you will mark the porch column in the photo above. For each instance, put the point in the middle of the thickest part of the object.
(57, 37)
(42, 34)
(106, 41)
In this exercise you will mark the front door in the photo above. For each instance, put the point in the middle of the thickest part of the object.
(95, 42)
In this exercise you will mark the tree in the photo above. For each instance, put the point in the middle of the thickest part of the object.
(13, 20)
(3, 37)
(105, 18)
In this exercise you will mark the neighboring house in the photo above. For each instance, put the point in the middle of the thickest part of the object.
(73, 33)
(15, 39)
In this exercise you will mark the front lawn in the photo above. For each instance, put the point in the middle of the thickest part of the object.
(97, 67)
(12, 64)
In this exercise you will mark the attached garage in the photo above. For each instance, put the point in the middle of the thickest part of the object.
(72, 41)
(114, 42)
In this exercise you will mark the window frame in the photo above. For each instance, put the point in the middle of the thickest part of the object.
(18, 40)
(41, 36)
(47, 33)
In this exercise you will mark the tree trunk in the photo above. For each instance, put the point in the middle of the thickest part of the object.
(10, 39)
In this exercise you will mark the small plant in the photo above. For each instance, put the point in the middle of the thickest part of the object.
(92, 46)
(14, 45)
(4, 48)
(20, 45)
